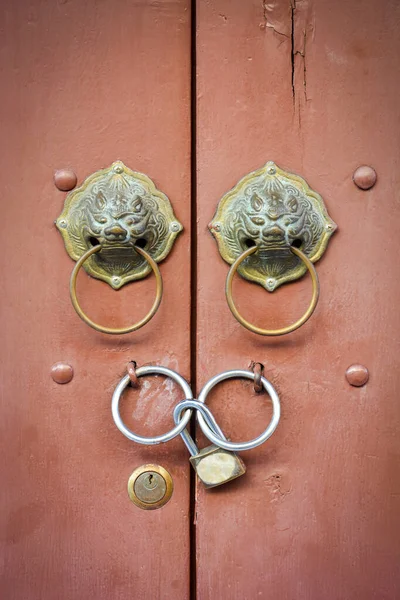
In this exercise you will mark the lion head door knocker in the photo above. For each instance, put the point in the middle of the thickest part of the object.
(271, 227)
(118, 226)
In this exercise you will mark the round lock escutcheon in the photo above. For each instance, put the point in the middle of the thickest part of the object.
(150, 487)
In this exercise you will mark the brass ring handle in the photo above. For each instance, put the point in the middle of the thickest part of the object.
(139, 324)
(283, 330)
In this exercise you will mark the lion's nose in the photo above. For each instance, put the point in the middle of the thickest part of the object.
(258, 220)
(115, 233)
(274, 234)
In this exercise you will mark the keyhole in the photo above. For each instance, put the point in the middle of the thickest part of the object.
(151, 481)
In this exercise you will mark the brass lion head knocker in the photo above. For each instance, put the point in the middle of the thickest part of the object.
(118, 226)
(271, 227)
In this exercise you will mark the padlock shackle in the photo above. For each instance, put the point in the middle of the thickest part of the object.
(208, 417)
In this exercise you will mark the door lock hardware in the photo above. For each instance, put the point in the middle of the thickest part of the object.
(264, 436)
(150, 487)
(126, 381)
(271, 228)
(218, 463)
(213, 465)
(118, 226)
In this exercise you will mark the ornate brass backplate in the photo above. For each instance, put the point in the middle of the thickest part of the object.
(272, 209)
(118, 208)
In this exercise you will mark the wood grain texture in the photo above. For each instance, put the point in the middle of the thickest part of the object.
(311, 86)
(84, 84)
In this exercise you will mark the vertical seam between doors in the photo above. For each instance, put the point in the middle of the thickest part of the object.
(193, 285)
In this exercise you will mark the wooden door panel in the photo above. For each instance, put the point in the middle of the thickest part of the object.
(311, 86)
(84, 84)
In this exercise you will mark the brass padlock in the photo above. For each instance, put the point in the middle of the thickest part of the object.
(213, 465)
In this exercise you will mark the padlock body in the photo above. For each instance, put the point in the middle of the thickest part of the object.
(216, 466)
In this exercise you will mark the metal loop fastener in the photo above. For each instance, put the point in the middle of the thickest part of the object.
(239, 446)
(283, 330)
(131, 328)
(258, 370)
(140, 372)
(131, 368)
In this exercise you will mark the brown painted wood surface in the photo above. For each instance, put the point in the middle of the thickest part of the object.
(317, 514)
(311, 85)
(84, 84)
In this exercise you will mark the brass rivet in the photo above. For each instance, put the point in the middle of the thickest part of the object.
(62, 372)
(364, 177)
(271, 283)
(357, 375)
(65, 180)
(150, 487)
(271, 167)
(175, 226)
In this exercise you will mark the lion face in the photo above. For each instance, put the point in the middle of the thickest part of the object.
(273, 217)
(121, 219)
(273, 210)
(118, 209)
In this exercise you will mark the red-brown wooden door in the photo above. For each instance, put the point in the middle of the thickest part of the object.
(85, 84)
(309, 84)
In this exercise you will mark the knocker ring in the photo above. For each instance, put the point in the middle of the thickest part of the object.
(101, 328)
(283, 330)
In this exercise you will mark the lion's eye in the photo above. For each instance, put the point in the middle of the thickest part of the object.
(101, 219)
(256, 203)
(100, 201)
(137, 206)
(129, 221)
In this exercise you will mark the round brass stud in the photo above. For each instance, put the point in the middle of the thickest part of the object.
(150, 487)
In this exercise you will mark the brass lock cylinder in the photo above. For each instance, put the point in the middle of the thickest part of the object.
(150, 487)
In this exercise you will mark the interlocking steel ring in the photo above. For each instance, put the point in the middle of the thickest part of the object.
(139, 324)
(283, 330)
(239, 446)
(208, 417)
(140, 372)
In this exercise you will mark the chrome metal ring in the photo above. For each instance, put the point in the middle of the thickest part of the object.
(159, 439)
(239, 446)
